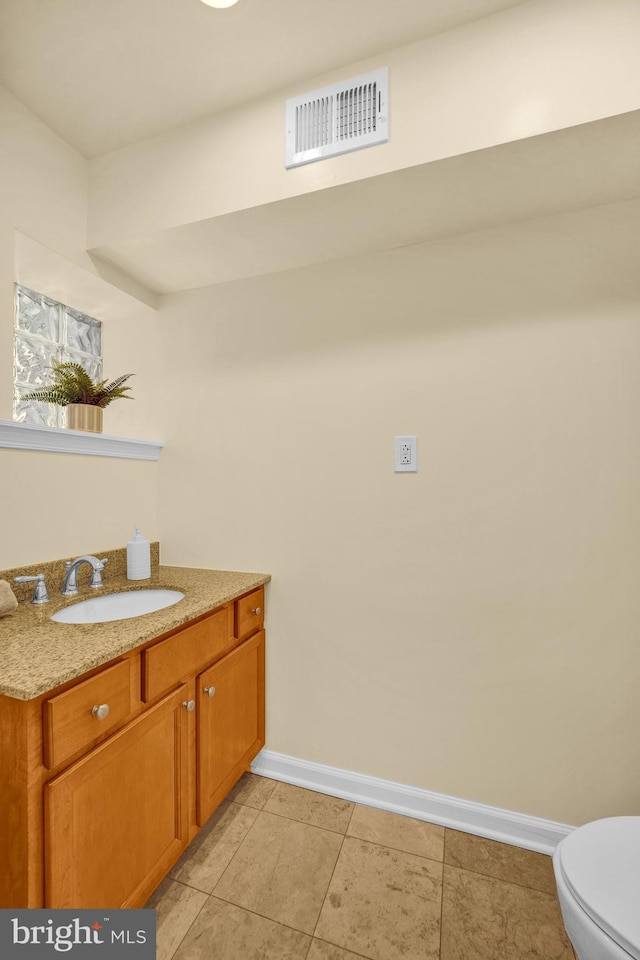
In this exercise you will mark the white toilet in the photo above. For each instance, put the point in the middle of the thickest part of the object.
(597, 870)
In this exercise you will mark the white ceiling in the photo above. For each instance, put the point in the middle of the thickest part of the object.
(106, 73)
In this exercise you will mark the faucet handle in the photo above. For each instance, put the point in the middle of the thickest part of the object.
(96, 577)
(40, 594)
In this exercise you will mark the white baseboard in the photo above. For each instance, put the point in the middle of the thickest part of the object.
(519, 829)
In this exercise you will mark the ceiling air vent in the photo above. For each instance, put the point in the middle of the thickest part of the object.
(338, 119)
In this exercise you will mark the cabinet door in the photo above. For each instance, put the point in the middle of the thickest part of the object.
(230, 703)
(117, 820)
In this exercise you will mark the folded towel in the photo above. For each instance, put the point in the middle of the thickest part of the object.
(8, 602)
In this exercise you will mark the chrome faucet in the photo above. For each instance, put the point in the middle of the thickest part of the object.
(70, 583)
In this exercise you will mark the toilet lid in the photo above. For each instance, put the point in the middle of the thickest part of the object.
(601, 866)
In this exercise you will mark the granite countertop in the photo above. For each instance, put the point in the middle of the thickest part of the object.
(37, 654)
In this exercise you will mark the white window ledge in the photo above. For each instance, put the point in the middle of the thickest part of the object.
(27, 436)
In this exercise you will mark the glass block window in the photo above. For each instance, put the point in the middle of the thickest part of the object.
(46, 330)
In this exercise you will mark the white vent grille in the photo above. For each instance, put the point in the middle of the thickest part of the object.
(338, 119)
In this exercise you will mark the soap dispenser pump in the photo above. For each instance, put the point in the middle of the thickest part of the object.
(138, 557)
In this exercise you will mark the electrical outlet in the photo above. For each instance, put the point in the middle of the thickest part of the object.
(405, 454)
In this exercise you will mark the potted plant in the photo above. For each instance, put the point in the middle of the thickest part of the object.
(84, 397)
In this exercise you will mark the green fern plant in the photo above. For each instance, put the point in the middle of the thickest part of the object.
(72, 384)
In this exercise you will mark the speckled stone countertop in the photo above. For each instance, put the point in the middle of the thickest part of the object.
(37, 654)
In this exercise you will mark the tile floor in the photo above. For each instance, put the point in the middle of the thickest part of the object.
(282, 873)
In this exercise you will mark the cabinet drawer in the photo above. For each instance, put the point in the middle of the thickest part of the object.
(70, 722)
(184, 654)
(249, 614)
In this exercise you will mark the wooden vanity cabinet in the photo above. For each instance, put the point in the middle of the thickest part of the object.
(97, 809)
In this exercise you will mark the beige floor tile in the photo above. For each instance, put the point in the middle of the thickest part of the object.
(281, 871)
(252, 790)
(206, 858)
(321, 950)
(176, 908)
(401, 833)
(225, 932)
(382, 903)
(500, 860)
(488, 919)
(307, 806)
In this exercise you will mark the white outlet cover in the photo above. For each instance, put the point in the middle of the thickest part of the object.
(405, 454)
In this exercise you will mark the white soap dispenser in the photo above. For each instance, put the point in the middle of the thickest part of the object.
(138, 557)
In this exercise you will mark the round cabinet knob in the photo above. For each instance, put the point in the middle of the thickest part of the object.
(189, 705)
(101, 711)
(210, 691)
(257, 611)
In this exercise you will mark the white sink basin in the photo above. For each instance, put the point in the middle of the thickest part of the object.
(118, 606)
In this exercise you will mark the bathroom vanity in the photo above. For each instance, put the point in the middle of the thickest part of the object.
(107, 774)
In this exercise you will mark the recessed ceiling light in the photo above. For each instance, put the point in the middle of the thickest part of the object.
(220, 3)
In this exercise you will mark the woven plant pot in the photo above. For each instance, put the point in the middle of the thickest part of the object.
(84, 416)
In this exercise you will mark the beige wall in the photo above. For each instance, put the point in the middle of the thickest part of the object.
(58, 505)
(62, 505)
(471, 629)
